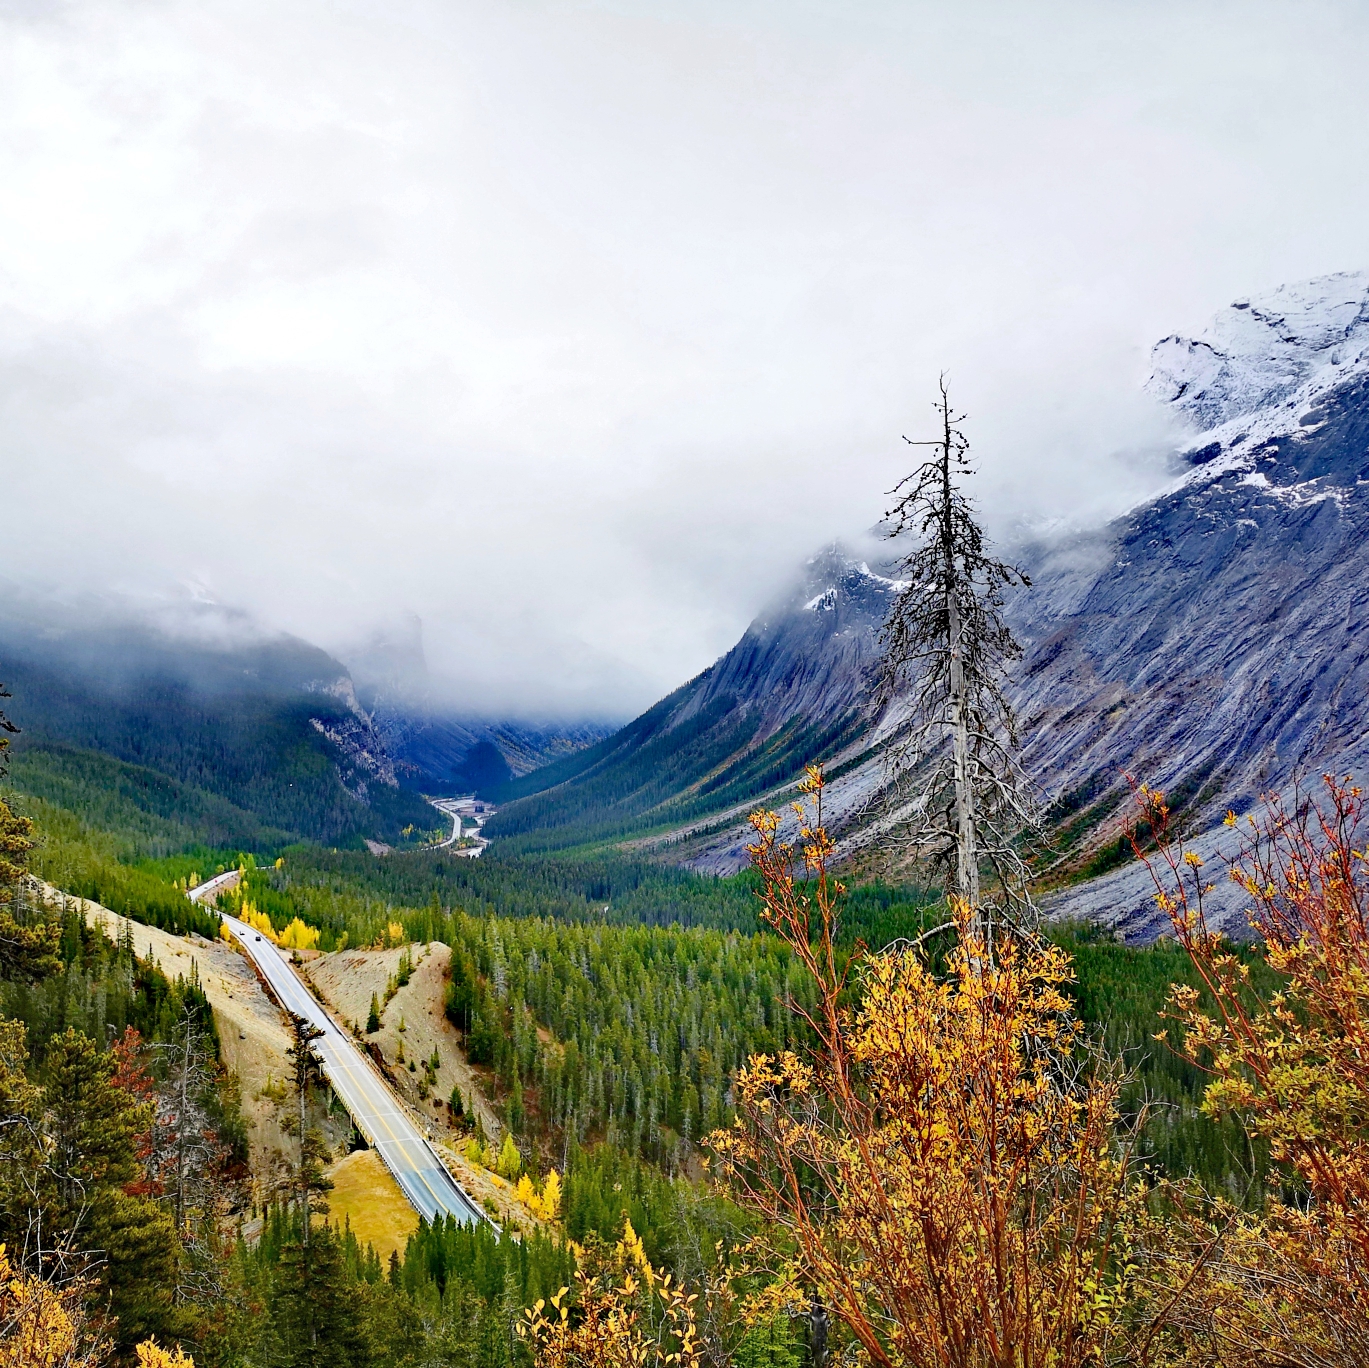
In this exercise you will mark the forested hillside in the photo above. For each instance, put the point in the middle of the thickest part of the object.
(254, 741)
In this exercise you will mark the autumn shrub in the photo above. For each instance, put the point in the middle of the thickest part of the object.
(941, 1168)
(1292, 1063)
(624, 1313)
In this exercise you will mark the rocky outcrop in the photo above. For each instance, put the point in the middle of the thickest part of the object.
(1215, 642)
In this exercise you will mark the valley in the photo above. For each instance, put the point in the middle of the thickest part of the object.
(536, 1025)
(469, 816)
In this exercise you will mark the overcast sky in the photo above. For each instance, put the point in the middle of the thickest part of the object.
(573, 328)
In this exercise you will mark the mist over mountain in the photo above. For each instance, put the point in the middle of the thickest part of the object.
(1218, 645)
(1214, 641)
(264, 736)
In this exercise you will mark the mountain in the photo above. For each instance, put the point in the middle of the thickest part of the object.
(793, 689)
(253, 739)
(1215, 640)
(1211, 641)
(243, 737)
(437, 749)
(445, 755)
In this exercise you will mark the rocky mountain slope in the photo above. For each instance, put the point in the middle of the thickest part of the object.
(437, 748)
(1212, 641)
(795, 688)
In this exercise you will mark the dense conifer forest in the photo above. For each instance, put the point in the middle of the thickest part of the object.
(609, 1002)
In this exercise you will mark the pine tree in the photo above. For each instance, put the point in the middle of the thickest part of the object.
(316, 1309)
(28, 944)
(373, 1016)
(961, 794)
(309, 1177)
(22, 1146)
(91, 1124)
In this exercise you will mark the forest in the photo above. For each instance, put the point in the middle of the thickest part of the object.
(761, 1096)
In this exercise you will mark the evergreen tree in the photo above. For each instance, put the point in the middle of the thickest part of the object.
(316, 1311)
(91, 1125)
(958, 786)
(141, 1269)
(28, 945)
(769, 1343)
(22, 1169)
(309, 1177)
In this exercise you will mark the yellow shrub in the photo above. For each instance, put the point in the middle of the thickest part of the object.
(298, 936)
(40, 1322)
(152, 1355)
(551, 1197)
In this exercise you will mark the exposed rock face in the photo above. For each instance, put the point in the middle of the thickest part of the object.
(810, 655)
(1214, 641)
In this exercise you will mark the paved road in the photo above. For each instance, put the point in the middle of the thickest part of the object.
(367, 1097)
(450, 807)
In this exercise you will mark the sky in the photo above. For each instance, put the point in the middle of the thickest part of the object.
(570, 329)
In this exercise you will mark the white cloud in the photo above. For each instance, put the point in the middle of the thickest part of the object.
(572, 327)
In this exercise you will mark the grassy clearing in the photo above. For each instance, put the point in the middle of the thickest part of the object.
(366, 1196)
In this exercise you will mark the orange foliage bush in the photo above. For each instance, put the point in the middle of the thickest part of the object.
(940, 1170)
(1293, 1064)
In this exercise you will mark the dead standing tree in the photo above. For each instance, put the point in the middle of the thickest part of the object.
(956, 771)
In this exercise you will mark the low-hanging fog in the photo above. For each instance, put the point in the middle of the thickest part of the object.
(571, 328)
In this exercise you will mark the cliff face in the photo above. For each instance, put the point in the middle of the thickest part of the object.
(1215, 642)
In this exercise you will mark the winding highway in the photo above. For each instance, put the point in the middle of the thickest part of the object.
(378, 1115)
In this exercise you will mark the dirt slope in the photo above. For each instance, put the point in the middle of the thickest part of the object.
(345, 982)
(251, 1033)
(347, 979)
(366, 1196)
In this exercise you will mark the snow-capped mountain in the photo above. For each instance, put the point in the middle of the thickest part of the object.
(1263, 362)
(1214, 641)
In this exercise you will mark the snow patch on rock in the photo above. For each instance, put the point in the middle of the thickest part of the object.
(1259, 352)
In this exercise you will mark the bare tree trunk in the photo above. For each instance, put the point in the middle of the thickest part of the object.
(304, 1182)
(967, 856)
(971, 805)
(182, 1133)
